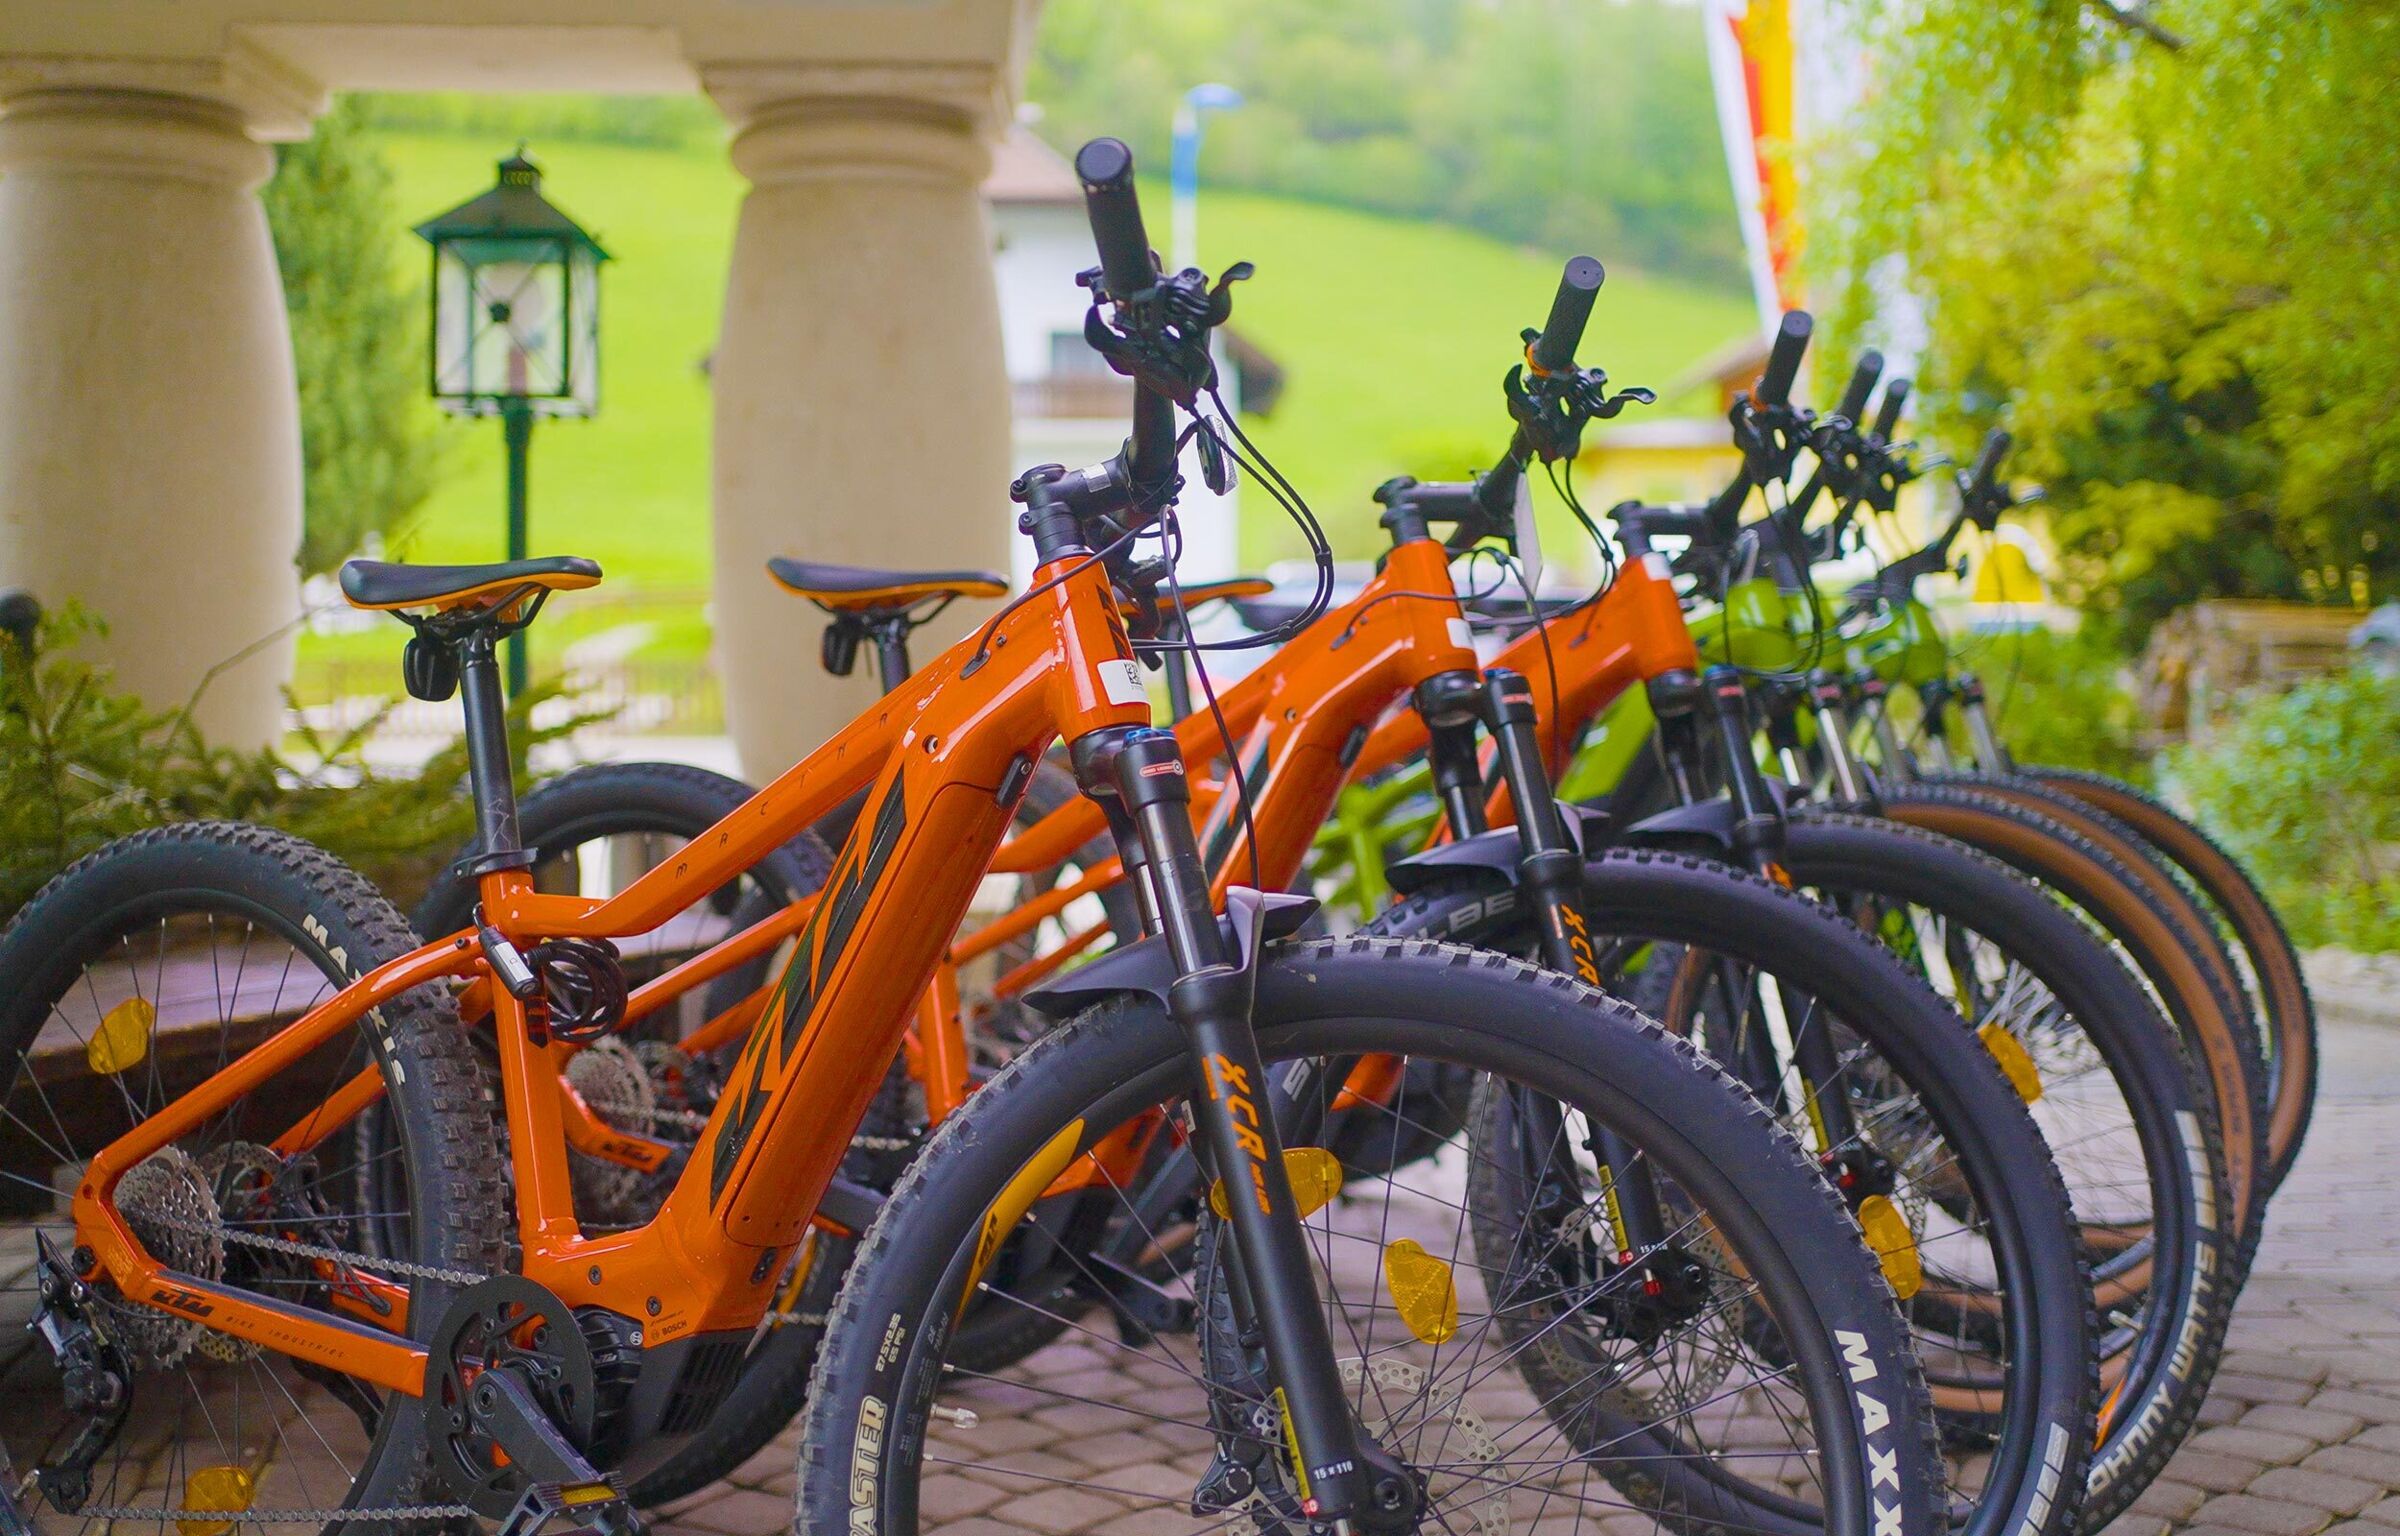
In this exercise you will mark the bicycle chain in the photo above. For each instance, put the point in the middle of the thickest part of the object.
(278, 1517)
(348, 1262)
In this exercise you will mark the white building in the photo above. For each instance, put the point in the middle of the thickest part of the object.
(1071, 407)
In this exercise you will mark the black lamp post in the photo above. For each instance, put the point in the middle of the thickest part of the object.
(516, 325)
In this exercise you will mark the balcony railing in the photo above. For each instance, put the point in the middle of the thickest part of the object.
(1073, 397)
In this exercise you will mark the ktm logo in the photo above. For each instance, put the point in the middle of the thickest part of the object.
(783, 1021)
(190, 1303)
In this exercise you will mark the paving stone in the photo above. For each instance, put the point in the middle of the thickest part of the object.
(2259, 1362)
(2386, 1512)
(2169, 1499)
(2266, 1445)
(2261, 1389)
(1102, 1452)
(2360, 1461)
(2319, 1489)
(2374, 1407)
(945, 1496)
(2311, 1423)
(2264, 1517)
(745, 1512)
(2217, 1474)
(1057, 1511)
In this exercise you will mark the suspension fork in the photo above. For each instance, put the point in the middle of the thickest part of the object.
(1136, 773)
(1990, 755)
(1758, 837)
(1936, 696)
(1825, 704)
(1780, 698)
(1550, 876)
(1875, 696)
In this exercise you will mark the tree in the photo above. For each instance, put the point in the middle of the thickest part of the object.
(2156, 242)
(357, 340)
(1559, 123)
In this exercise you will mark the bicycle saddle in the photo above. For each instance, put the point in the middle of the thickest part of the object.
(857, 589)
(384, 584)
(1196, 593)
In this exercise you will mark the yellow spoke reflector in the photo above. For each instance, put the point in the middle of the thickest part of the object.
(2014, 1060)
(226, 1488)
(1422, 1290)
(1316, 1176)
(1888, 1234)
(123, 1038)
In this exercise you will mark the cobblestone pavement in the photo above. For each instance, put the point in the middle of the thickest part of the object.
(2301, 1434)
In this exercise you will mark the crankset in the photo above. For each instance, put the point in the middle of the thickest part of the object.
(514, 1401)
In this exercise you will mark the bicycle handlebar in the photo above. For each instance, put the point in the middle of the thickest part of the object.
(1127, 268)
(1105, 167)
(1895, 396)
(1862, 384)
(1554, 349)
(1987, 463)
(1783, 358)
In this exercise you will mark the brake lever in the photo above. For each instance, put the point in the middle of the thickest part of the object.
(1159, 337)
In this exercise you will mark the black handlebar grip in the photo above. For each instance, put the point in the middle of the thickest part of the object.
(1783, 358)
(1887, 420)
(1105, 167)
(1862, 384)
(1987, 463)
(1554, 350)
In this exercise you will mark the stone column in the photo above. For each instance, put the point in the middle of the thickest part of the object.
(862, 408)
(149, 426)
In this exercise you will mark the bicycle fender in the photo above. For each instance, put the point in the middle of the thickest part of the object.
(1706, 828)
(1496, 852)
(1250, 920)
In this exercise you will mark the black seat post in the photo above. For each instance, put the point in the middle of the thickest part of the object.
(490, 774)
(891, 648)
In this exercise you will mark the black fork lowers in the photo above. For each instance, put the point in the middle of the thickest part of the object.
(1136, 774)
(1550, 878)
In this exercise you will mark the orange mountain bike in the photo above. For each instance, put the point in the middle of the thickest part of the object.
(281, 1269)
(2000, 1257)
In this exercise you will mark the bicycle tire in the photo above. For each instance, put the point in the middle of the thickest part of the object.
(2213, 1027)
(2157, 1390)
(2046, 1423)
(436, 1090)
(870, 1404)
(2281, 996)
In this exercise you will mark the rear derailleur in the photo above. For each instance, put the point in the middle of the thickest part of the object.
(97, 1381)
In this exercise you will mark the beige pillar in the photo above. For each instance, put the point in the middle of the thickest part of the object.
(149, 428)
(862, 409)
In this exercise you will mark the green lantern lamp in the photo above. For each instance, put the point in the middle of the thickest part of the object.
(516, 324)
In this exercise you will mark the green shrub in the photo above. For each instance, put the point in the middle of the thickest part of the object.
(2304, 788)
(82, 764)
(2061, 699)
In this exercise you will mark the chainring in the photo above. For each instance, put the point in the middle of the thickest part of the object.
(505, 1320)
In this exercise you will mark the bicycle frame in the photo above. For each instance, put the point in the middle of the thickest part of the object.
(942, 756)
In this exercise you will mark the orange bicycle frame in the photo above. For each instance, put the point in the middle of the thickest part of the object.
(937, 755)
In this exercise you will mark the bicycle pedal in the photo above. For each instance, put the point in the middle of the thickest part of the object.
(590, 1509)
